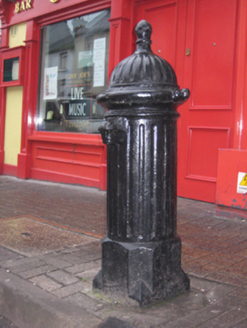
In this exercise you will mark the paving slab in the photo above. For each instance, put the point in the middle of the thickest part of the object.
(71, 289)
(30, 307)
(63, 277)
(5, 323)
(36, 271)
(46, 283)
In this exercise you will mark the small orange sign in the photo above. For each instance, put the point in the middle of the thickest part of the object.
(242, 183)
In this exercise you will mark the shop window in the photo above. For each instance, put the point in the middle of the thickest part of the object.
(11, 69)
(73, 71)
(12, 60)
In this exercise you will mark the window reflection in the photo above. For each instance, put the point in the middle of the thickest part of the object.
(73, 71)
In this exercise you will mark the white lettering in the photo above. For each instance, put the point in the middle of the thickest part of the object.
(76, 93)
(77, 109)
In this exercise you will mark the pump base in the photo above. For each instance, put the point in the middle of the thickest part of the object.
(145, 272)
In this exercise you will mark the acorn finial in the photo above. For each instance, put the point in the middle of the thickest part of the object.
(143, 32)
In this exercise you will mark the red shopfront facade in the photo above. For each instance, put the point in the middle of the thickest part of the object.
(204, 40)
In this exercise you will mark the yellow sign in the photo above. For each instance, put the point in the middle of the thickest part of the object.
(244, 181)
(23, 5)
(54, 1)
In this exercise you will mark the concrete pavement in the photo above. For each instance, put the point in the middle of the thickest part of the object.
(50, 251)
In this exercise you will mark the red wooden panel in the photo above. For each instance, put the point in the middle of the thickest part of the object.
(69, 163)
(207, 118)
(86, 157)
(52, 153)
(71, 154)
(47, 175)
(162, 15)
(68, 169)
(213, 54)
(203, 145)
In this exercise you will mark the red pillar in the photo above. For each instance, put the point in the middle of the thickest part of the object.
(240, 80)
(29, 99)
(4, 45)
(120, 32)
(120, 47)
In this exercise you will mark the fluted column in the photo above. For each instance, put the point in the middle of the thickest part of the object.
(141, 187)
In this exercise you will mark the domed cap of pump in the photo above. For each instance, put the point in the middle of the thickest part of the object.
(143, 76)
(143, 69)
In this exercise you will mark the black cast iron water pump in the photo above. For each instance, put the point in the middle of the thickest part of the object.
(142, 251)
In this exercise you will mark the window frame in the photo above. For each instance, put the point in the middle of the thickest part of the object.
(46, 22)
(17, 52)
